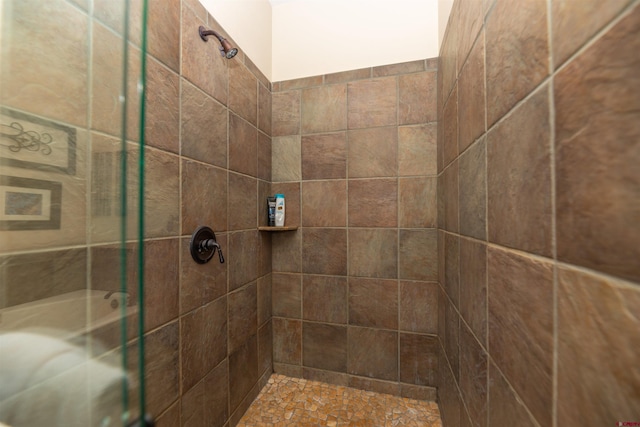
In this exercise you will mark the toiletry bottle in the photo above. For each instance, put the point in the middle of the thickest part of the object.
(271, 211)
(279, 210)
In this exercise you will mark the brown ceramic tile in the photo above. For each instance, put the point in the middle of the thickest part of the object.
(573, 24)
(324, 156)
(372, 103)
(400, 68)
(324, 203)
(170, 418)
(197, 8)
(522, 349)
(286, 159)
(162, 124)
(373, 253)
(473, 191)
(324, 251)
(216, 394)
(347, 76)
(450, 124)
(324, 299)
(243, 371)
(418, 359)
(243, 316)
(161, 300)
(441, 256)
(419, 392)
(242, 257)
(243, 92)
(264, 157)
(373, 303)
(326, 377)
(452, 267)
(375, 386)
(203, 126)
(417, 98)
(470, 22)
(373, 152)
(161, 359)
(519, 178)
(285, 110)
(264, 109)
(242, 202)
(287, 341)
(418, 307)
(450, 197)
(264, 298)
(324, 109)
(417, 202)
(517, 54)
(597, 154)
(203, 204)
(505, 407)
(324, 346)
(473, 376)
(373, 353)
(265, 253)
(471, 97)
(200, 63)
(291, 193)
(293, 371)
(162, 196)
(243, 149)
(451, 342)
(448, 65)
(287, 295)
(60, 42)
(300, 83)
(596, 315)
(417, 150)
(256, 72)
(163, 31)
(265, 348)
(191, 349)
(473, 287)
(287, 250)
(214, 344)
(448, 395)
(418, 254)
(373, 203)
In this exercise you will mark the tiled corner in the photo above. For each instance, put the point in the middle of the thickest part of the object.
(417, 150)
(418, 306)
(417, 98)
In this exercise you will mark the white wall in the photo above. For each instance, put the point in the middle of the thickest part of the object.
(444, 10)
(288, 39)
(249, 23)
(312, 37)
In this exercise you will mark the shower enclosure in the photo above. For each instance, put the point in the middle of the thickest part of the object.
(71, 115)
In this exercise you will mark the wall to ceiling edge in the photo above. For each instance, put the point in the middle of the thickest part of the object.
(289, 39)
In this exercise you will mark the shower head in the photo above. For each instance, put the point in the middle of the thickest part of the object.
(226, 49)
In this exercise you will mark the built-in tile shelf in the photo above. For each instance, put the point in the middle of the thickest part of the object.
(285, 228)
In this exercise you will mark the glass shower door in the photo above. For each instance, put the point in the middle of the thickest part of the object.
(71, 114)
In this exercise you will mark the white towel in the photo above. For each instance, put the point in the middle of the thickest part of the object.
(48, 382)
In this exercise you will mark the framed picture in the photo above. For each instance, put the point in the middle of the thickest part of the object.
(31, 142)
(29, 204)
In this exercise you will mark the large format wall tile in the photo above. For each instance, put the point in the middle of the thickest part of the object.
(373, 303)
(418, 359)
(505, 407)
(373, 152)
(163, 32)
(287, 341)
(286, 291)
(373, 203)
(162, 124)
(418, 251)
(324, 346)
(417, 98)
(242, 202)
(286, 159)
(324, 203)
(373, 353)
(417, 202)
(324, 109)
(285, 109)
(521, 347)
(372, 103)
(598, 339)
(519, 178)
(597, 154)
(473, 287)
(471, 96)
(324, 299)
(418, 307)
(473, 376)
(417, 150)
(517, 53)
(473, 191)
(243, 149)
(203, 126)
(324, 156)
(243, 92)
(324, 251)
(373, 253)
(203, 205)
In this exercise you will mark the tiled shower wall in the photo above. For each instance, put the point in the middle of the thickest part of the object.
(208, 162)
(538, 222)
(354, 287)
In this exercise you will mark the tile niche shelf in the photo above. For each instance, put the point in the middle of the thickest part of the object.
(285, 228)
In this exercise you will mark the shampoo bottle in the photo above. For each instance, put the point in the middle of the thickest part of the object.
(279, 210)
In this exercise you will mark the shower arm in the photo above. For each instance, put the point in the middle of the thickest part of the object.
(225, 47)
(204, 33)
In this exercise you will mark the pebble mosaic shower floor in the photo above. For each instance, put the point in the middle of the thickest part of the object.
(288, 401)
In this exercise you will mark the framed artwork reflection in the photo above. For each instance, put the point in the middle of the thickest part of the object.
(29, 204)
